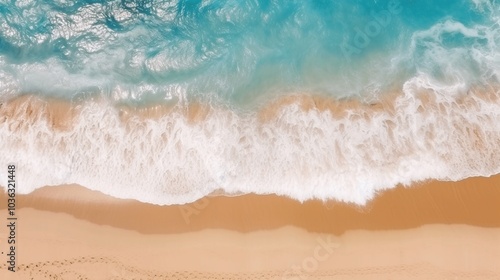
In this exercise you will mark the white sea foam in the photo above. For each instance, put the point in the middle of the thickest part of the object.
(477, 60)
(300, 154)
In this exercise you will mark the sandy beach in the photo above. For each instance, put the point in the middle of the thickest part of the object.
(436, 230)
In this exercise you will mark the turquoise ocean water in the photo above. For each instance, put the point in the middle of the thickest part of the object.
(242, 55)
(234, 50)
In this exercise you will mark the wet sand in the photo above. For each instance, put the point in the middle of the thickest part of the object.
(435, 230)
(474, 201)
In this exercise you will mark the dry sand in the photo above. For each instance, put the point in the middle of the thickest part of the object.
(436, 230)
